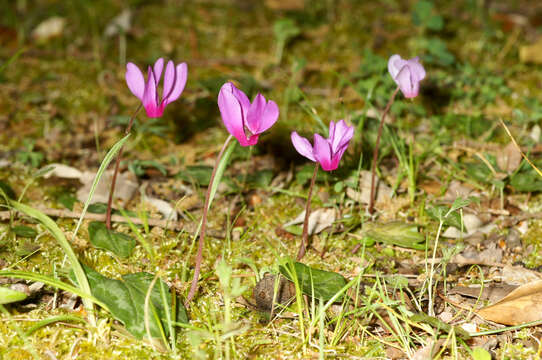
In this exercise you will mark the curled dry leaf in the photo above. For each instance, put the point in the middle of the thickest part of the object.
(522, 305)
(318, 220)
(509, 158)
(125, 186)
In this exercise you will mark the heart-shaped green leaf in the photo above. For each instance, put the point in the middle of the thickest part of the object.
(125, 300)
(395, 233)
(10, 296)
(316, 283)
(104, 238)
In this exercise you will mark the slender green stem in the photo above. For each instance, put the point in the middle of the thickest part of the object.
(305, 236)
(117, 165)
(199, 256)
(375, 152)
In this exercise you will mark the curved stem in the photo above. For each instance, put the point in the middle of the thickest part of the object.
(117, 165)
(305, 236)
(375, 152)
(199, 256)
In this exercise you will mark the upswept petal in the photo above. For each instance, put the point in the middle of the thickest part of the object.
(181, 74)
(417, 69)
(169, 80)
(395, 63)
(302, 145)
(254, 114)
(157, 69)
(149, 97)
(242, 98)
(135, 80)
(232, 114)
(269, 117)
(409, 87)
(342, 133)
(322, 153)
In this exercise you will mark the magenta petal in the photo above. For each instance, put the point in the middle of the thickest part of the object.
(157, 70)
(395, 63)
(149, 97)
(254, 114)
(270, 116)
(232, 114)
(135, 80)
(409, 87)
(169, 80)
(322, 153)
(417, 69)
(343, 133)
(242, 98)
(302, 145)
(181, 74)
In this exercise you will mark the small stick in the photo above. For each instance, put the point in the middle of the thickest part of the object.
(117, 165)
(375, 152)
(305, 236)
(199, 256)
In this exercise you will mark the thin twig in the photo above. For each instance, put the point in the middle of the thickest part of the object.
(117, 165)
(199, 256)
(375, 152)
(305, 236)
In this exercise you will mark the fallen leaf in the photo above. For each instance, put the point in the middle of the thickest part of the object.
(509, 158)
(285, 4)
(518, 275)
(319, 220)
(492, 292)
(119, 24)
(383, 192)
(125, 186)
(531, 53)
(522, 305)
(163, 207)
(63, 171)
(470, 256)
(49, 28)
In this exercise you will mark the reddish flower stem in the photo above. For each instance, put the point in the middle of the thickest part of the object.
(199, 256)
(375, 152)
(117, 165)
(305, 236)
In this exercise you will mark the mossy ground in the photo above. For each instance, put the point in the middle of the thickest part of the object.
(65, 100)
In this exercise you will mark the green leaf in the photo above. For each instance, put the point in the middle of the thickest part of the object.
(97, 208)
(526, 181)
(440, 325)
(438, 212)
(125, 299)
(480, 354)
(7, 190)
(10, 296)
(67, 199)
(395, 233)
(316, 283)
(24, 231)
(200, 174)
(104, 238)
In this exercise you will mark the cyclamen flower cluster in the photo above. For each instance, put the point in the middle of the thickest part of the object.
(246, 120)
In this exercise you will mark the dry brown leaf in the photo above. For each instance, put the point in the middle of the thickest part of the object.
(509, 158)
(531, 53)
(319, 220)
(522, 305)
(285, 4)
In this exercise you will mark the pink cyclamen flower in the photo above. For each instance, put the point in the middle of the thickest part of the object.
(147, 92)
(407, 74)
(243, 119)
(327, 152)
